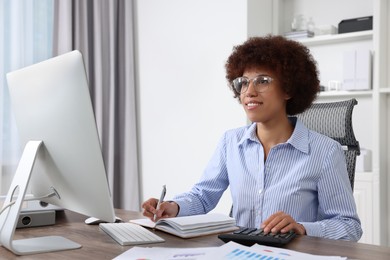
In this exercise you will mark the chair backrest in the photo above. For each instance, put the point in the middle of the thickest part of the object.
(334, 119)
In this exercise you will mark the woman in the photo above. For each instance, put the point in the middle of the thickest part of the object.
(282, 176)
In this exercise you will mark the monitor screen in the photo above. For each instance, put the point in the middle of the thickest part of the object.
(51, 102)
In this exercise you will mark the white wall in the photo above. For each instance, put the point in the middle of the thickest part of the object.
(184, 103)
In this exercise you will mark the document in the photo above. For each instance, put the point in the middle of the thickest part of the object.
(228, 251)
(192, 226)
(232, 251)
(162, 253)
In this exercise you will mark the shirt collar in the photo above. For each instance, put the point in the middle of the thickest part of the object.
(299, 138)
(249, 134)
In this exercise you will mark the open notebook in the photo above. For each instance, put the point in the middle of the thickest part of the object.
(192, 226)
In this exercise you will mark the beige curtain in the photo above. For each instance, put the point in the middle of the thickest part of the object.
(103, 31)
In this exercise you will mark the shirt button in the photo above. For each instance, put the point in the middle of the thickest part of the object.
(260, 191)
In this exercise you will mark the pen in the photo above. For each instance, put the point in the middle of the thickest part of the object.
(163, 192)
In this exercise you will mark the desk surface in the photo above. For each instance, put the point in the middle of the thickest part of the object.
(97, 245)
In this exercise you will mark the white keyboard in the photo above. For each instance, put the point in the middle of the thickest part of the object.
(130, 234)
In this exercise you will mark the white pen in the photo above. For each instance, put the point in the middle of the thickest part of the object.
(163, 192)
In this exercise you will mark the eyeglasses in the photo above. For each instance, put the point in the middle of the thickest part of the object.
(260, 83)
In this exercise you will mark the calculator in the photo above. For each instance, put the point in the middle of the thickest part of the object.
(249, 236)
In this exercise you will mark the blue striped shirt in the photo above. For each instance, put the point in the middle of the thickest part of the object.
(306, 177)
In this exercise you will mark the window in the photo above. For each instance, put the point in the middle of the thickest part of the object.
(25, 38)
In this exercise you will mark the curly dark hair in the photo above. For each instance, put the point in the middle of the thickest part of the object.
(292, 62)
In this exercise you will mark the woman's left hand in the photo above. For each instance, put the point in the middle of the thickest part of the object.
(283, 223)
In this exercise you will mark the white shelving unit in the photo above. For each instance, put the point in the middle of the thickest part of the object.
(345, 94)
(337, 38)
(371, 115)
(384, 90)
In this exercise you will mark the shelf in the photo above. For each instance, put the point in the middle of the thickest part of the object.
(337, 38)
(384, 90)
(342, 93)
(364, 175)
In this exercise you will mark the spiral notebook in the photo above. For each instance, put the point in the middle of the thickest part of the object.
(191, 226)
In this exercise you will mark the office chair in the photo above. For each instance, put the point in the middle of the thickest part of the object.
(334, 119)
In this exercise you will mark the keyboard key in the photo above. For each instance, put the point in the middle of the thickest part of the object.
(248, 231)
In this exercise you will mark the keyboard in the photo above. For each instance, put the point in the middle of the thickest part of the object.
(250, 236)
(130, 234)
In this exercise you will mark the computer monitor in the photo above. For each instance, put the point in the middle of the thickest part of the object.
(55, 119)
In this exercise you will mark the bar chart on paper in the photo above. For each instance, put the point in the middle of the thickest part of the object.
(245, 254)
(234, 251)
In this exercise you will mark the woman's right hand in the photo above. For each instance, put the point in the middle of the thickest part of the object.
(168, 209)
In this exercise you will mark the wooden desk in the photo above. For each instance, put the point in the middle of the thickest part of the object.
(97, 245)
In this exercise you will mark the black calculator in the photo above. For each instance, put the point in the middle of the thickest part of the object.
(250, 236)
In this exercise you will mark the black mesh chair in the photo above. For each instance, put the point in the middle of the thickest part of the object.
(334, 119)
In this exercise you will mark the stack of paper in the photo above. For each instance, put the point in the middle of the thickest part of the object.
(299, 34)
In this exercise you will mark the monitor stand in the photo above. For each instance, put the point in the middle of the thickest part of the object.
(10, 215)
